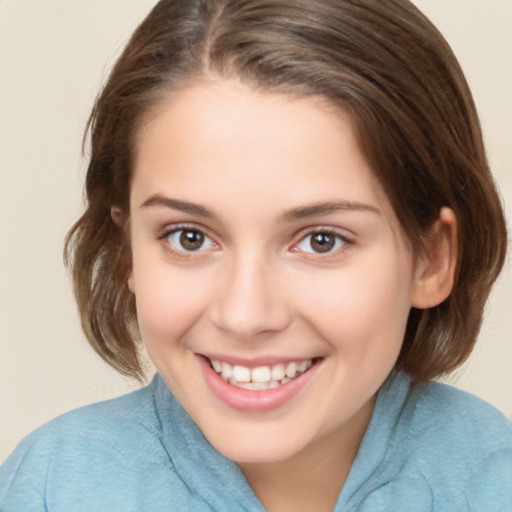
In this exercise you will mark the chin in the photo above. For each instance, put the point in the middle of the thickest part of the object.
(259, 444)
(242, 454)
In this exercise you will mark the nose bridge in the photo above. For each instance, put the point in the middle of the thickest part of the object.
(249, 301)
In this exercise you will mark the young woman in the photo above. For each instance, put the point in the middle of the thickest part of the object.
(289, 204)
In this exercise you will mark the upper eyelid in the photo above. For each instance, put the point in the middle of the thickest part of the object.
(191, 226)
(343, 233)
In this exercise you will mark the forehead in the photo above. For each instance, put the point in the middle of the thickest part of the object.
(228, 108)
(295, 150)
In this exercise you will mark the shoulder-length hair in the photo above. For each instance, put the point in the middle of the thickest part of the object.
(382, 63)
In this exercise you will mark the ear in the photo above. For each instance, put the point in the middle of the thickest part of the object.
(118, 216)
(435, 269)
(130, 282)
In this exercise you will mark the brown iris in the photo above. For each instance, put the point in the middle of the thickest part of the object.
(191, 240)
(322, 242)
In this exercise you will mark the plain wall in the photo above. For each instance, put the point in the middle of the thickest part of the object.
(54, 54)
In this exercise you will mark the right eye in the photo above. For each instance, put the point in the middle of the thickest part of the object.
(189, 240)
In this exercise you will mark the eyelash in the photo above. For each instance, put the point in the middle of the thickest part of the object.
(183, 253)
(345, 241)
(304, 235)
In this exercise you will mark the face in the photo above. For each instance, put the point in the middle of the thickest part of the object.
(271, 276)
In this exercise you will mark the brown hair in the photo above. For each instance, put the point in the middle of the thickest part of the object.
(384, 64)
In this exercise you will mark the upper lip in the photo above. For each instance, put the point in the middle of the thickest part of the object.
(257, 361)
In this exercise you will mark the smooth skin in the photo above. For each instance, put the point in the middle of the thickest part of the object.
(258, 231)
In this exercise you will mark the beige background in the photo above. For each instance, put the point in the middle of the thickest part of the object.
(53, 56)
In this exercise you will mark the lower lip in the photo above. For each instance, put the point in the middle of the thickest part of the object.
(246, 400)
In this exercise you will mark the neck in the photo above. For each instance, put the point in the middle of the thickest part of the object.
(313, 478)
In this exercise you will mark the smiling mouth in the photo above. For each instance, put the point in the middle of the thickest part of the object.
(261, 378)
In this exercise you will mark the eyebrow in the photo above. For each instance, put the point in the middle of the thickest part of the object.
(326, 208)
(294, 214)
(177, 204)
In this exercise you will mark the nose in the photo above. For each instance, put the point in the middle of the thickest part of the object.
(250, 302)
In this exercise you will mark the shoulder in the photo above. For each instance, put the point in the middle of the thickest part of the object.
(461, 442)
(461, 417)
(113, 423)
(82, 452)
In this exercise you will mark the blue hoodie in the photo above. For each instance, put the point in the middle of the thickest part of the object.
(429, 448)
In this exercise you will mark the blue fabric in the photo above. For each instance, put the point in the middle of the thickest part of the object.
(430, 449)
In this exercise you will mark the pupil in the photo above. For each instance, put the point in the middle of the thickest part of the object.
(191, 240)
(322, 242)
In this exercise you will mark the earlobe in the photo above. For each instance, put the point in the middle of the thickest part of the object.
(435, 270)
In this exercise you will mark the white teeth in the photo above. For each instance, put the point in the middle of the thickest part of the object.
(291, 370)
(278, 372)
(261, 377)
(254, 386)
(261, 374)
(304, 365)
(217, 365)
(227, 371)
(241, 374)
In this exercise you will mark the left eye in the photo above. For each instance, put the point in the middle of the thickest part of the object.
(190, 240)
(321, 242)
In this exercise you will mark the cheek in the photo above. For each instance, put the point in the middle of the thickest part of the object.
(362, 309)
(168, 301)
